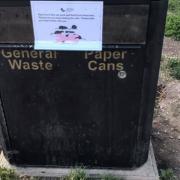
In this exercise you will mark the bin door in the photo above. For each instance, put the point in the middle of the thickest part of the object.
(72, 108)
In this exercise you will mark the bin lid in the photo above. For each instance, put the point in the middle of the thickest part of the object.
(108, 2)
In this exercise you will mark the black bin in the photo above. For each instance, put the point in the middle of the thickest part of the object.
(60, 108)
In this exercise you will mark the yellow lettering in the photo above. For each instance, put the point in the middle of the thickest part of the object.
(26, 66)
(102, 66)
(119, 67)
(35, 66)
(116, 55)
(98, 55)
(110, 67)
(48, 66)
(25, 54)
(92, 65)
(123, 54)
(15, 64)
(6, 54)
(34, 54)
(107, 55)
(87, 54)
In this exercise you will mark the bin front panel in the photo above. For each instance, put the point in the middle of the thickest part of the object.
(72, 108)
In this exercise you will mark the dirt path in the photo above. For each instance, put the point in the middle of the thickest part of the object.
(171, 48)
(166, 125)
(166, 129)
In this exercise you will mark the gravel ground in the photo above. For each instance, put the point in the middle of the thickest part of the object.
(166, 125)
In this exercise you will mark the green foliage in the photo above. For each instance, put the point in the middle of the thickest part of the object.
(174, 6)
(77, 174)
(173, 20)
(174, 67)
(8, 174)
(167, 174)
(173, 26)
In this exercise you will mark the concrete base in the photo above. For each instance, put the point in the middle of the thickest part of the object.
(146, 172)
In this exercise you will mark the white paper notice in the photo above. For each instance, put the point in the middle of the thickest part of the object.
(68, 25)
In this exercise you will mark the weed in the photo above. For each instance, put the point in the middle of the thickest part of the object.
(173, 26)
(173, 20)
(8, 174)
(77, 174)
(174, 67)
(164, 74)
(174, 6)
(167, 174)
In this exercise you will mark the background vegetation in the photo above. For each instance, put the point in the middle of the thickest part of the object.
(173, 20)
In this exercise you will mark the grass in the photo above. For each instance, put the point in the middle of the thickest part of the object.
(167, 174)
(164, 73)
(77, 174)
(80, 174)
(8, 174)
(170, 69)
(174, 6)
(174, 68)
(173, 26)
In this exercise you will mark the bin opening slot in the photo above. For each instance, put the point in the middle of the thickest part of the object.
(123, 24)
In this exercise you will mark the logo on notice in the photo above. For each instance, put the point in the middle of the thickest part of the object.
(67, 35)
(68, 10)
